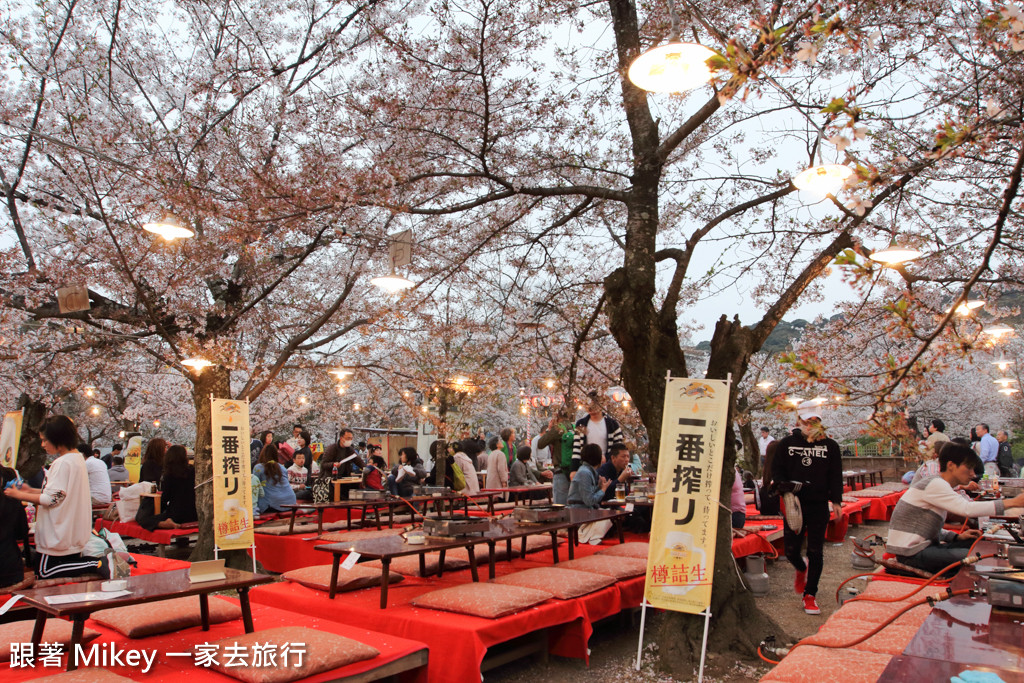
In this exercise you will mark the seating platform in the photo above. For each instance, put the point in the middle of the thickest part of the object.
(459, 643)
(400, 659)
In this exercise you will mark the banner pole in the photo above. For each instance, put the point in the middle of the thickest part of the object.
(643, 619)
(704, 644)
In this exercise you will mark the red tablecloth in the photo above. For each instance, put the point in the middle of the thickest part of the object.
(458, 642)
(132, 529)
(172, 669)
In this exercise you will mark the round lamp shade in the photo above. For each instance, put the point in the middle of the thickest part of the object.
(676, 67)
(824, 180)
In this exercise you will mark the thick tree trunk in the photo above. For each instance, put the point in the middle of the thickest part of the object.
(737, 625)
(31, 456)
(214, 381)
(750, 447)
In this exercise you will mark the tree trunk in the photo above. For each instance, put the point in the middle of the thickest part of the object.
(750, 446)
(737, 625)
(31, 456)
(214, 381)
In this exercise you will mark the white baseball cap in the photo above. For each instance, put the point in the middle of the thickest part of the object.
(809, 409)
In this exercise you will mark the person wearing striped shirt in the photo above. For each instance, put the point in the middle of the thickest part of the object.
(916, 534)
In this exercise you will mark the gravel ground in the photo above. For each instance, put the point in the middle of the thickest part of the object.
(613, 645)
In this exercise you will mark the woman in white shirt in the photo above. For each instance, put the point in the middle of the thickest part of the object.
(64, 508)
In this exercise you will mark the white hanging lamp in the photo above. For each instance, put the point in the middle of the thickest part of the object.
(894, 254)
(170, 227)
(822, 180)
(392, 282)
(674, 67)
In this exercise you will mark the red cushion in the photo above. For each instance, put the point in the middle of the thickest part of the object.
(635, 549)
(488, 600)
(55, 631)
(891, 640)
(564, 584)
(609, 565)
(138, 621)
(318, 577)
(809, 664)
(323, 652)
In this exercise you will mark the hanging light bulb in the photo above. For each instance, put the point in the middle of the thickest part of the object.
(341, 390)
(764, 385)
(169, 227)
(156, 423)
(356, 407)
(998, 331)
(121, 434)
(89, 391)
(95, 410)
(1002, 362)
(1008, 391)
(392, 282)
(303, 400)
(197, 364)
(966, 307)
(341, 373)
(823, 180)
(550, 384)
(1004, 381)
(894, 254)
(795, 401)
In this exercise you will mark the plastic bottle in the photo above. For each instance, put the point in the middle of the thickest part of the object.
(986, 483)
(30, 513)
(334, 471)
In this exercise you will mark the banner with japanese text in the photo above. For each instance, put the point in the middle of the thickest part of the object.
(684, 523)
(232, 475)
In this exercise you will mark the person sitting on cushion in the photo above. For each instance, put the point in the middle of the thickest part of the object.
(275, 491)
(13, 529)
(916, 536)
(177, 494)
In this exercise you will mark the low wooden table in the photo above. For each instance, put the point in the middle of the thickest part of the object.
(505, 529)
(146, 588)
(319, 508)
(523, 493)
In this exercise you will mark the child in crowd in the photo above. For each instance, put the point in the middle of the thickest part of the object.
(298, 476)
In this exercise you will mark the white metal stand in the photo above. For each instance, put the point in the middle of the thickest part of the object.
(253, 549)
(703, 644)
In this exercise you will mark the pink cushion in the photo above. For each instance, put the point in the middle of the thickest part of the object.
(891, 640)
(324, 651)
(809, 664)
(353, 536)
(409, 565)
(318, 577)
(564, 584)
(88, 675)
(55, 631)
(534, 544)
(897, 589)
(138, 621)
(64, 580)
(487, 600)
(609, 565)
(878, 612)
(636, 549)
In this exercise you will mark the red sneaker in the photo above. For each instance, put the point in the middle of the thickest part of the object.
(800, 582)
(811, 605)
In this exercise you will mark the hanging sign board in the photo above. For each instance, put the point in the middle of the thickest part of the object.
(232, 475)
(71, 299)
(400, 248)
(680, 565)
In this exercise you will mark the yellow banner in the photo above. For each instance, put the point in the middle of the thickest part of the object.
(133, 458)
(681, 560)
(10, 438)
(232, 475)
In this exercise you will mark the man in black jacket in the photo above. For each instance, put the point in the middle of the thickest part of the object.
(809, 465)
